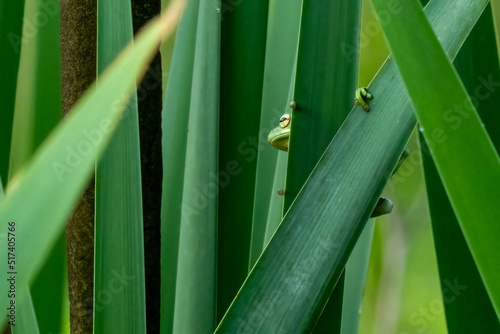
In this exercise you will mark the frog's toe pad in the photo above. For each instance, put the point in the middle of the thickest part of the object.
(383, 207)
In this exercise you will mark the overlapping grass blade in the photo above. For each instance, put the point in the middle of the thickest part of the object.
(282, 39)
(175, 116)
(243, 44)
(119, 241)
(64, 162)
(275, 213)
(291, 282)
(26, 319)
(467, 307)
(325, 82)
(454, 133)
(195, 298)
(39, 86)
(11, 25)
(50, 289)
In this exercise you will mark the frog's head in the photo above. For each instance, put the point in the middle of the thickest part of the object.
(280, 135)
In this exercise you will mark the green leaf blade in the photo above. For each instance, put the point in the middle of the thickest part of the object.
(449, 121)
(243, 46)
(468, 309)
(11, 25)
(195, 299)
(119, 240)
(175, 118)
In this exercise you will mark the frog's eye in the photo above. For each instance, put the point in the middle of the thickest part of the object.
(284, 120)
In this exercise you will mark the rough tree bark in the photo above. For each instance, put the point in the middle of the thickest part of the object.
(78, 57)
(78, 70)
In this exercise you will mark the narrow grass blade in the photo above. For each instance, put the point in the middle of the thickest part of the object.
(290, 284)
(49, 289)
(175, 117)
(467, 306)
(324, 86)
(11, 25)
(282, 39)
(58, 173)
(119, 240)
(454, 133)
(195, 298)
(38, 85)
(275, 213)
(356, 273)
(243, 44)
(325, 83)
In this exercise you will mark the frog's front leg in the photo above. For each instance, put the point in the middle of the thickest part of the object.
(383, 207)
(404, 155)
(361, 98)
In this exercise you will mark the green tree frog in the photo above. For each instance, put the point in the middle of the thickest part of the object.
(279, 137)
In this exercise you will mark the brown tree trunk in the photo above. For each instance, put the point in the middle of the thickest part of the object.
(78, 70)
(78, 57)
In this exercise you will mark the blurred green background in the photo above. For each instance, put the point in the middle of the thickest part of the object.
(402, 293)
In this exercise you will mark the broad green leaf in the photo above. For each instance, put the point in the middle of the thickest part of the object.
(11, 26)
(119, 281)
(457, 139)
(175, 117)
(243, 45)
(52, 181)
(195, 298)
(290, 284)
(466, 303)
(282, 39)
